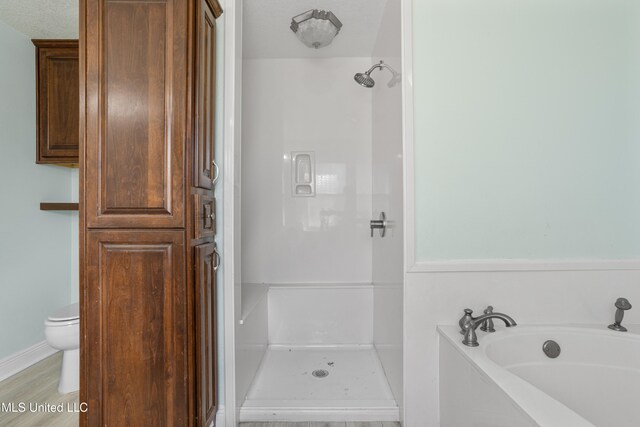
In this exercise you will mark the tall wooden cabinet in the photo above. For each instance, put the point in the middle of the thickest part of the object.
(147, 212)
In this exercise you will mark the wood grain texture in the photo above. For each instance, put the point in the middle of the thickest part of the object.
(137, 346)
(215, 8)
(204, 136)
(205, 216)
(147, 303)
(57, 93)
(136, 70)
(55, 206)
(206, 364)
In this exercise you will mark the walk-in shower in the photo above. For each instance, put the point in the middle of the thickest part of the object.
(365, 79)
(319, 320)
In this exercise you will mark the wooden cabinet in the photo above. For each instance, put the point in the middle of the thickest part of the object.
(136, 328)
(147, 212)
(205, 174)
(137, 118)
(206, 170)
(207, 261)
(58, 101)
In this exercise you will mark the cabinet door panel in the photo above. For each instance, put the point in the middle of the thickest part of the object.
(136, 95)
(206, 363)
(58, 101)
(205, 171)
(135, 316)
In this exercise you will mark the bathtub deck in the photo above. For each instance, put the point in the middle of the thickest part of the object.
(355, 389)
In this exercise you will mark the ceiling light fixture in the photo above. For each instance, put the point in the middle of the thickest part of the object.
(316, 28)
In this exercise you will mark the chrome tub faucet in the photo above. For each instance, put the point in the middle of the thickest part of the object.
(622, 305)
(468, 324)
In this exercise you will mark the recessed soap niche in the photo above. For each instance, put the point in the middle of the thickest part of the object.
(303, 174)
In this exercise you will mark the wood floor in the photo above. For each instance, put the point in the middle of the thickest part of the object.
(316, 424)
(37, 385)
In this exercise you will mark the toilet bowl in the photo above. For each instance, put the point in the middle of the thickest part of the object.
(62, 330)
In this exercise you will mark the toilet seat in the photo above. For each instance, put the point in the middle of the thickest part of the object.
(68, 313)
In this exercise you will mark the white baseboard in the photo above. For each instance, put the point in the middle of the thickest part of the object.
(220, 417)
(319, 414)
(21, 360)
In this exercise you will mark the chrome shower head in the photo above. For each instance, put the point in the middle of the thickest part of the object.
(364, 79)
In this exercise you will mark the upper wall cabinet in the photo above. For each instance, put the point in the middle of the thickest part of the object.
(58, 101)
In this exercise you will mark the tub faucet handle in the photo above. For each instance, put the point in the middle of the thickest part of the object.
(622, 305)
(466, 320)
(487, 325)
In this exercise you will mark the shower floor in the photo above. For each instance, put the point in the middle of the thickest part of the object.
(285, 388)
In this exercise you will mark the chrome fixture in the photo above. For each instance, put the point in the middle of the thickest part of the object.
(487, 325)
(320, 373)
(551, 349)
(622, 305)
(380, 224)
(469, 324)
(316, 28)
(365, 79)
(216, 256)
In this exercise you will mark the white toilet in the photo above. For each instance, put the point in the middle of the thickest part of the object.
(62, 330)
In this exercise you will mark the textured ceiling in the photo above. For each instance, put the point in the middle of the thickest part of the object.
(266, 32)
(42, 19)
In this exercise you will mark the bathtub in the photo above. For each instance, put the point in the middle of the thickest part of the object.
(509, 381)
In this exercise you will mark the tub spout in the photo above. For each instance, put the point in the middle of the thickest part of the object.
(471, 339)
(622, 305)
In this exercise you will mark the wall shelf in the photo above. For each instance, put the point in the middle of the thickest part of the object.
(58, 206)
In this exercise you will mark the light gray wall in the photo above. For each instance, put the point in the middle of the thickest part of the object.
(35, 246)
(527, 129)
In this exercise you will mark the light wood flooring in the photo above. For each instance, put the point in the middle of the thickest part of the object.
(316, 424)
(36, 385)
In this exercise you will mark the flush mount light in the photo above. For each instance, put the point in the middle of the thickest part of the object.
(316, 28)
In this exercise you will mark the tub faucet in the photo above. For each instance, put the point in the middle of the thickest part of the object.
(464, 322)
(469, 324)
(487, 325)
(622, 305)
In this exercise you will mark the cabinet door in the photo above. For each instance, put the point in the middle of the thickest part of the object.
(206, 364)
(136, 65)
(135, 342)
(206, 171)
(58, 101)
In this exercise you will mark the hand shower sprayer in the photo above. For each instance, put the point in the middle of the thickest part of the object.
(365, 79)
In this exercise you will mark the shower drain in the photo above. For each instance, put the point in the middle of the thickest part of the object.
(320, 373)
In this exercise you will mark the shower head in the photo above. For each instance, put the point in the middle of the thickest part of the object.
(365, 79)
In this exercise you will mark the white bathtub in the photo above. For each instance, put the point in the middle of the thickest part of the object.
(509, 381)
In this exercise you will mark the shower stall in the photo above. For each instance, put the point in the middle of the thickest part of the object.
(319, 292)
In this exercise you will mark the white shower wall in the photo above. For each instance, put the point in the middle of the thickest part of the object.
(388, 252)
(306, 105)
